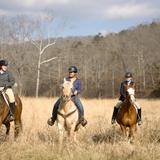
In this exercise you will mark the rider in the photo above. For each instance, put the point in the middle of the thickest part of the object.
(75, 97)
(128, 78)
(6, 82)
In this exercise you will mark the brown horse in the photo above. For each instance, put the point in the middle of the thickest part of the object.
(67, 117)
(127, 115)
(4, 113)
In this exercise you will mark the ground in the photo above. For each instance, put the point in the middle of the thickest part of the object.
(98, 141)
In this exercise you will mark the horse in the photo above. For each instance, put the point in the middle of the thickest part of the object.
(67, 116)
(127, 115)
(4, 113)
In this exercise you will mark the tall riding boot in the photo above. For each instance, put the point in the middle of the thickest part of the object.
(139, 117)
(12, 111)
(115, 111)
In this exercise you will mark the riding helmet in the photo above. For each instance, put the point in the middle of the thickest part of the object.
(3, 62)
(128, 75)
(73, 69)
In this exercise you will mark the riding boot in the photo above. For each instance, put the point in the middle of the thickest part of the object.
(115, 111)
(139, 117)
(82, 120)
(12, 111)
(52, 120)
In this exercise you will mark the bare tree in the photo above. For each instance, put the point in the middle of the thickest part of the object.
(42, 43)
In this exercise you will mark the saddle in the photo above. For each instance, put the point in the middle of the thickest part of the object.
(122, 105)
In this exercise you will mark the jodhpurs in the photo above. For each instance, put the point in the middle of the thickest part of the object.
(10, 95)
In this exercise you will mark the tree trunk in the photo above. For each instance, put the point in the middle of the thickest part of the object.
(38, 75)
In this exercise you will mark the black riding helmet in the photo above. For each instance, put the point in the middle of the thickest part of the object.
(3, 62)
(73, 69)
(128, 75)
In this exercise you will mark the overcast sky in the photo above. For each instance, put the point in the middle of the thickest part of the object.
(88, 17)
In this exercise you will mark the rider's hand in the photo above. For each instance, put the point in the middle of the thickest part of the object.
(75, 92)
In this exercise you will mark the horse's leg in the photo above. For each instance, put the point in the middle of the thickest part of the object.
(74, 132)
(17, 121)
(132, 129)
(123, 128)
(7, 127)
(61, 134)
(18, 127)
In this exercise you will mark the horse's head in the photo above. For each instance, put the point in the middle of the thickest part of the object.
(130, 91)
(67, 89)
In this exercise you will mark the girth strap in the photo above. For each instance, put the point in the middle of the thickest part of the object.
(66, 115)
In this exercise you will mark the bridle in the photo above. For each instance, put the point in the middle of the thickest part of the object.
(65, 99)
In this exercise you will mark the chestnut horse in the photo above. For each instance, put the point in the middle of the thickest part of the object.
(67, 116)
(4, 113)
(127, 115)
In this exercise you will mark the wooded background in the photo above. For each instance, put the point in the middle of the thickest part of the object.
(102, 60)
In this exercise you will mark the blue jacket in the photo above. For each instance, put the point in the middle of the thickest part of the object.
(76, 85)
(122, 90)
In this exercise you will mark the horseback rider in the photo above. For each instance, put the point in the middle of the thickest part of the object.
(76, 90)
(128, 78)
(6, 83)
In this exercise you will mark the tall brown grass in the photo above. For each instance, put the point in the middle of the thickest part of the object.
(98, 141)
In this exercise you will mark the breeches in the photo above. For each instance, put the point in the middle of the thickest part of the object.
(10, 95)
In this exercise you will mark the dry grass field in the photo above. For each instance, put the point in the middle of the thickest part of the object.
(99, 140)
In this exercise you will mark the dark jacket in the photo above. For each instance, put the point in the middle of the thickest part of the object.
(6, 79)
(122, 90)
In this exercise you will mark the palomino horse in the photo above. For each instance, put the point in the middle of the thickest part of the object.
(4, 113)
(67, 117)
(127, 115)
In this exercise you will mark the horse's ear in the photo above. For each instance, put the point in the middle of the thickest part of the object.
(64, 79)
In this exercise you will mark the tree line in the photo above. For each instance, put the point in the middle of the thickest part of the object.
(102, 60)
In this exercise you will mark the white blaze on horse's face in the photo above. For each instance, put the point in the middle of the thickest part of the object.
(67, 86)
(131, 92)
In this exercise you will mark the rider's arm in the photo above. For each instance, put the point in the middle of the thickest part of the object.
(77, 87)
(11, 80)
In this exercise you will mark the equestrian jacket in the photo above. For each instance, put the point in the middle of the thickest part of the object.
(76, 85)
(122, 90)
(6, 79)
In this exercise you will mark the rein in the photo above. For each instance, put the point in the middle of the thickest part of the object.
(65, 100)
(66, 115)
(4, 96)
